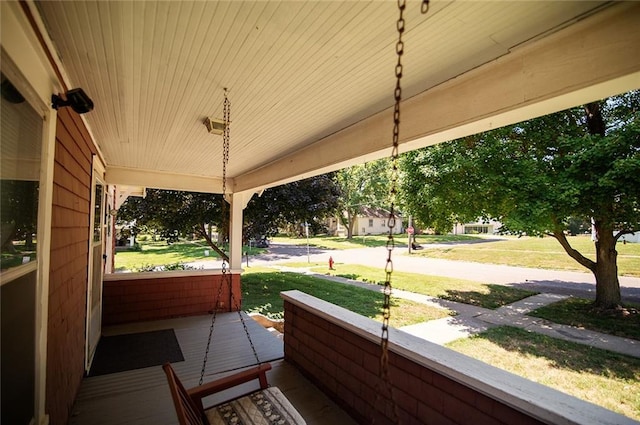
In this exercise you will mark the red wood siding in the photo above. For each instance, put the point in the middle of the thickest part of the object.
(69, 264)
(164, 297)
(345, 366)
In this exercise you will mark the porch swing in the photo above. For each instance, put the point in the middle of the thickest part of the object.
(268, 405)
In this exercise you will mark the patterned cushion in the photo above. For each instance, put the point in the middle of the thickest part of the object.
(264, 407)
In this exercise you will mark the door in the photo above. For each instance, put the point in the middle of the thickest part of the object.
(96, 264)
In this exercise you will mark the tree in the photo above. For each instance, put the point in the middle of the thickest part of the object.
(539, 176)
(18, 214)
(363, 185)
(176, 213)
(173, 213)
(306, 201)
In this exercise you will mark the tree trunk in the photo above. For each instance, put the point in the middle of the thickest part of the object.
(606, 269)
(350, 224)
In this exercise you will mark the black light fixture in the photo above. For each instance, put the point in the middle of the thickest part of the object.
(76, 98)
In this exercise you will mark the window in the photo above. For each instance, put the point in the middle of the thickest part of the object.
(473, 230)
(21, 148)
(97, 217)
(370, 222)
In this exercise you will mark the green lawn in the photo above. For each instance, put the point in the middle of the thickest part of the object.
(460, 290)
(545, 253)
(601, 377)
(261, 293)
(161, 253)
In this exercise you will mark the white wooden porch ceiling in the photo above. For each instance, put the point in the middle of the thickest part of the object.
(297, 71)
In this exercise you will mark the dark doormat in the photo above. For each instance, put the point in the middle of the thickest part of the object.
(134, 351)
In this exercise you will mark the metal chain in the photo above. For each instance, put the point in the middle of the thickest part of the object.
(225, 154)
(225, 160)
(226, 275)
(246, 330)
(391, 222)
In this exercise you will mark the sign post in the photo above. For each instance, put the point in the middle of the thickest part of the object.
(410, 231)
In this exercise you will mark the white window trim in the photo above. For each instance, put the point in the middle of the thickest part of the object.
(26, 65)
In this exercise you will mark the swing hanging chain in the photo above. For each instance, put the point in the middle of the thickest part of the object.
(226, 275)
(225, 160)
(391, 223)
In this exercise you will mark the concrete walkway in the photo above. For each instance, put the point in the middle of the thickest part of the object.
(471, 320)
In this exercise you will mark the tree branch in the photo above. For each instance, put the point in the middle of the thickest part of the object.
(584, 261)
(200, 230)
(621, 233)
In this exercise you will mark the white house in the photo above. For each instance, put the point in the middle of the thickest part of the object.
(633, 238)
(370, 221)
(477, 227)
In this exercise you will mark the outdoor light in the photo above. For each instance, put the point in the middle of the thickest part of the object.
(214, 126)
(76, 98)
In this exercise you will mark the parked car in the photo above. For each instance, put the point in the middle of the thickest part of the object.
(260, 242)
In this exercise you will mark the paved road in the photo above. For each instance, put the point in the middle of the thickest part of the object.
(541, 280)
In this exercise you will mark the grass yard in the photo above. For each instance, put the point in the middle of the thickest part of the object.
(261, 289)
(544, 253)
(459, 290)
(578, 312)
(601, 377)
(161, 253)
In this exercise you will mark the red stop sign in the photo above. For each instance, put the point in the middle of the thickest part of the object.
(410, 230)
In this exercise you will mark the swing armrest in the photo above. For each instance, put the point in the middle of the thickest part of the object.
(259, 372)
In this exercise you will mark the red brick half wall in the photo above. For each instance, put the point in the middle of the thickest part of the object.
(339, 351)
(134, 297)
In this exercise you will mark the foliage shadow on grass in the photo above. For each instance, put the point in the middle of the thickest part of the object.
(579, 312)
(261, 292)
(563, 354)
(498, 296)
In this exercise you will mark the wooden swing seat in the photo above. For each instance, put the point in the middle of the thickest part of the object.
(266, 406)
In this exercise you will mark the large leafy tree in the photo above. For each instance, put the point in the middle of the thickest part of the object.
(538, 176)
(362, 185)
(174, 213)
(308, 201)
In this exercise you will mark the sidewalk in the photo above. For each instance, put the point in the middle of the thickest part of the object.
(471, 320)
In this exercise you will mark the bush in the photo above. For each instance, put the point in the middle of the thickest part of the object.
(164, 268)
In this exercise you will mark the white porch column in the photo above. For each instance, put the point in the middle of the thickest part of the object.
(238, 202)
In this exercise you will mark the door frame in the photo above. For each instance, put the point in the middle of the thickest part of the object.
(94, 318)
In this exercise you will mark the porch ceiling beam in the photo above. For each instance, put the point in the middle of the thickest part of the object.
(163, 180)
(588, 60)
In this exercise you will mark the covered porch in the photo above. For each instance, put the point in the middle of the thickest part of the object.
(326, 364)
(311, 85)
(141, 396)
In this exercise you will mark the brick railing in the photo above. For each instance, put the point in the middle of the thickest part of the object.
(133, 297)
(338, 351)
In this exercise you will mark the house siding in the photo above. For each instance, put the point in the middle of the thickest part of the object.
(345, 366)
(164, 297)
(69, 265)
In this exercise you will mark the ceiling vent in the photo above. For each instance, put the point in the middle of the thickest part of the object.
(214, 126)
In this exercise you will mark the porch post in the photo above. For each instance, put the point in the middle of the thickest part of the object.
(238, 203)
